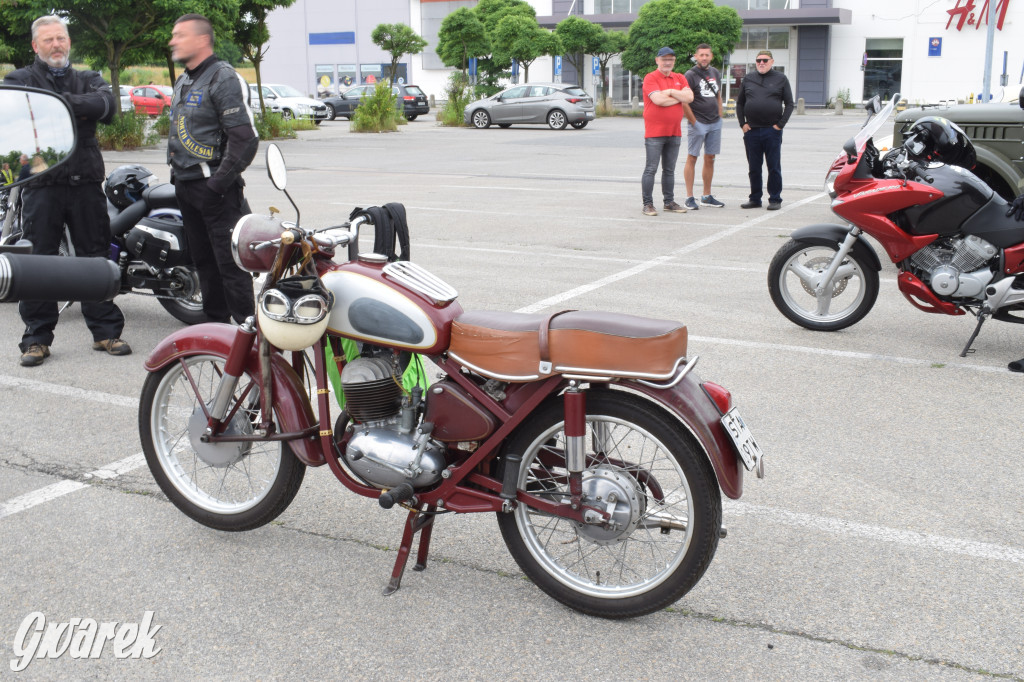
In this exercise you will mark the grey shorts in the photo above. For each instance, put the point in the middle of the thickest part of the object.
(707, 135)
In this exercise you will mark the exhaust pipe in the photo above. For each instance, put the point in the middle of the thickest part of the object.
(57, 278)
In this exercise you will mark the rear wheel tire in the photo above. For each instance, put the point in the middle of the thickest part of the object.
(579, 125)
(330, 112)
(504, 125)
(556, 119)
(643, 467)
(187, 306)
(411, 117)
(227, 486)
(287, 115)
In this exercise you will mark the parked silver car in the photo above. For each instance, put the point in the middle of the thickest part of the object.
(556, 104)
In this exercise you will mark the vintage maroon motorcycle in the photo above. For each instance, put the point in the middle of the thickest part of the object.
(948, 233)
(588, 434)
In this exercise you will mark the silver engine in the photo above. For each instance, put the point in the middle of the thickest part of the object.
(957, 266)
(388, 446)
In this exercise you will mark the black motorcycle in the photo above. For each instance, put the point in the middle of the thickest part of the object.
(147, 241)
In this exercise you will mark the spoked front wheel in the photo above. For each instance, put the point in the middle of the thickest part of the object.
(227, 485)
(659, 492)
(793, 282)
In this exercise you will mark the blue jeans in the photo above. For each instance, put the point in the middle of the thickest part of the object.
(665, 150)
(764, 145)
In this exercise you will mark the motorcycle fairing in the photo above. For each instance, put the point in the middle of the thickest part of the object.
(521, 347)
(869, 209)
(291, 402)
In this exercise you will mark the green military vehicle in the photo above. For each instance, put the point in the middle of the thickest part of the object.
(997, 131)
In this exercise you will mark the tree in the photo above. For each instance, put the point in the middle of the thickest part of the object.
(518, 38)
(681, 25)
(611, 44)
(252, 35)
(460, 37)
(397, 39)
(579, 37)
(15, 37)
(491, 12)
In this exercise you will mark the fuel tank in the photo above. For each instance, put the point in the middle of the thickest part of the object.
(391, 304)
(964, 194)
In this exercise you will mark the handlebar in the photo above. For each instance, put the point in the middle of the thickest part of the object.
(327, 238)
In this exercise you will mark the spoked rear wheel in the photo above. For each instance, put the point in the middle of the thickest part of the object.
(792, 283)
(228, 486)
(660, 492)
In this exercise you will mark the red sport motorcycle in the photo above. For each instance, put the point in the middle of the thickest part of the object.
(948, 233)
(587, 434)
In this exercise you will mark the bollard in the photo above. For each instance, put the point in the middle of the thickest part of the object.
(433, 102)
(839, 106)
(901, 105)
(730, 109)
(800, 111)
(635, 103)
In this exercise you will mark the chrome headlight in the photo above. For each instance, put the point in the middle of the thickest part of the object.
(830, 183)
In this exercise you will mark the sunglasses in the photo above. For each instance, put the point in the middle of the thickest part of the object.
(761, 61)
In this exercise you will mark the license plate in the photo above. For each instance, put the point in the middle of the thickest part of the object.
(746, 446)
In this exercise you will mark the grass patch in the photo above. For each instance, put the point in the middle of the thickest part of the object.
(458, 95)
(378, 112)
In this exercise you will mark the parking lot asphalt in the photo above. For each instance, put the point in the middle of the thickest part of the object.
(884, 543)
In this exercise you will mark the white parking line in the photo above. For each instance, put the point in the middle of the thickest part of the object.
(52, 492)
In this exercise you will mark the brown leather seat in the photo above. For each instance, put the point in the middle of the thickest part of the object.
(521, 347)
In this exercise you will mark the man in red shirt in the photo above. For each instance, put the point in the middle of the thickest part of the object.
(665, 93)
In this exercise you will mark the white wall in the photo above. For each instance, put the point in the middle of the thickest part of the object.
(955, 74)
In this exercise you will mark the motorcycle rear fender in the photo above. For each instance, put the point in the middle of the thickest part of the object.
(827, 234)
(291, 403)
(691, 406)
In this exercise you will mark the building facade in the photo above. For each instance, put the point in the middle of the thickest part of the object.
(928, 50)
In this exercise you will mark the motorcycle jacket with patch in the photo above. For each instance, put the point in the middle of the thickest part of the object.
(209, 101)
(92, 102)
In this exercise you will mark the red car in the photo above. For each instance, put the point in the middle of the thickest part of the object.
(152, 99)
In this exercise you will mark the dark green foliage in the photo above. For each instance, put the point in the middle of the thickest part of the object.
(681, 25)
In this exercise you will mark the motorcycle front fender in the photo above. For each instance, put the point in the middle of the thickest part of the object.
(828, 234)
(291, 403)
(699, 415)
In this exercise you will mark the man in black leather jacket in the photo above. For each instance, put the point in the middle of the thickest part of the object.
(71, 194)
(211, 141)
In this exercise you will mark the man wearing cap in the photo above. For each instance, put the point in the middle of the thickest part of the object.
(763, 106)
(665, 93)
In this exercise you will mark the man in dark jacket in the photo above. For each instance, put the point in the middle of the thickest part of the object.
(71, 194)
(212, 140)
(763, 106)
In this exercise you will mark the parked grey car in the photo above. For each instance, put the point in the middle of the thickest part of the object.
(411, 100)
(556, 104)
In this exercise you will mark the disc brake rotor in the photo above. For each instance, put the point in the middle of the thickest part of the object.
(819, 265)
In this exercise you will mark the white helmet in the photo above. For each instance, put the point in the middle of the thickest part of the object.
(293, 314)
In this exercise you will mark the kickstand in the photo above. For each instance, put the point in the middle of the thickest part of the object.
(982, 316)
(416, 522)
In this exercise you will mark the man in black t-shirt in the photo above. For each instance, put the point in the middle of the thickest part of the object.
(705, 130)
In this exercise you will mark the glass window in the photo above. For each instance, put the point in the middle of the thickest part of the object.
(324, 74)
(778, 38)
(516, 92)
(369, 73)
(347, 75)
(883, 72)
(413, 90)
(881, 48)
(757, 38)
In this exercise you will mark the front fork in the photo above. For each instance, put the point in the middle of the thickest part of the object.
(823, 287)
(234, 367)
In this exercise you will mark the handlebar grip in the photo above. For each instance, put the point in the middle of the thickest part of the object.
(396, 495)
(57, 278)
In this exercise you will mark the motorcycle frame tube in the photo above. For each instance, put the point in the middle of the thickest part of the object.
(291, 403)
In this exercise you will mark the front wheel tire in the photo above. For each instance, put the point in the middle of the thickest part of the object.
(230, 486)
(661, 492)
(556, 119)
(330, 112)
(480, 119)
(793, 282)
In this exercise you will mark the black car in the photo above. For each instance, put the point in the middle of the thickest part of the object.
(412, 99)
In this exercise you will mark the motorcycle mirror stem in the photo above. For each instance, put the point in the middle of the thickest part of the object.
(278, 173)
